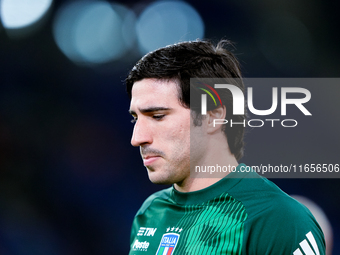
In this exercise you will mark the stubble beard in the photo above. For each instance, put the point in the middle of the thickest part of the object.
(167, 174)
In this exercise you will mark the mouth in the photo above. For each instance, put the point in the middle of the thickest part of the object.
(148, 160)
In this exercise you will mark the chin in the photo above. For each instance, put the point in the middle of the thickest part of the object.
(156, 178)
(160, 181)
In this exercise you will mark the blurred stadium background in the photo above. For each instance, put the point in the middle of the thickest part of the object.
(70, 182)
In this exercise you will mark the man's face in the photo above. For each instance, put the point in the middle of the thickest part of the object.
(162, 130)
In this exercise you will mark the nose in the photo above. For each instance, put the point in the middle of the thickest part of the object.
(141, 133)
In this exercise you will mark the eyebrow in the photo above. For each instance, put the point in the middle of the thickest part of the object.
(150, 109)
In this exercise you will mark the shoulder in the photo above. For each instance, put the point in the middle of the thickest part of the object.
(260, 194)
(263, 197)
(285, 225)
(162, 194)
(276, 223)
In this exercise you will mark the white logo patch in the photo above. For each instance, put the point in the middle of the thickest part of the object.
(146, 231)
(306, 247)
(140, 246)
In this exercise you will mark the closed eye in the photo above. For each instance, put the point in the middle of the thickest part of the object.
(158, 116)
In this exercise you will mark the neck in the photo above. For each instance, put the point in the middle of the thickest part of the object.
(207, 170)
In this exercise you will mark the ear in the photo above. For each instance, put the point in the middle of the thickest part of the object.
(215, 118)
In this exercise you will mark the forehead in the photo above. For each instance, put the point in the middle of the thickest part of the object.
(154, 92)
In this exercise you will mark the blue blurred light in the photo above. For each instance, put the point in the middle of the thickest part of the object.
(167, 22)
(92, 32)
(23, 16)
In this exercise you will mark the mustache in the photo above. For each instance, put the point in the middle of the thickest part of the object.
(151, 151)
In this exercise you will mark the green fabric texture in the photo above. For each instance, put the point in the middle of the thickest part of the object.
(243, 213)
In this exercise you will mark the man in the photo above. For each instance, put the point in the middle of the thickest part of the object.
(241, 213)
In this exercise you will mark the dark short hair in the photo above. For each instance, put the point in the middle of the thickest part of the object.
(195, 59)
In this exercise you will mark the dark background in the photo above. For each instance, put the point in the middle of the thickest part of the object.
(70, 182)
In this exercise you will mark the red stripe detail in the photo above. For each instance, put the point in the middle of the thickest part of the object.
(214, 92)
(170, 251)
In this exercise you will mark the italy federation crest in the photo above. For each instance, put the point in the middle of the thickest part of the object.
(168, 244)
